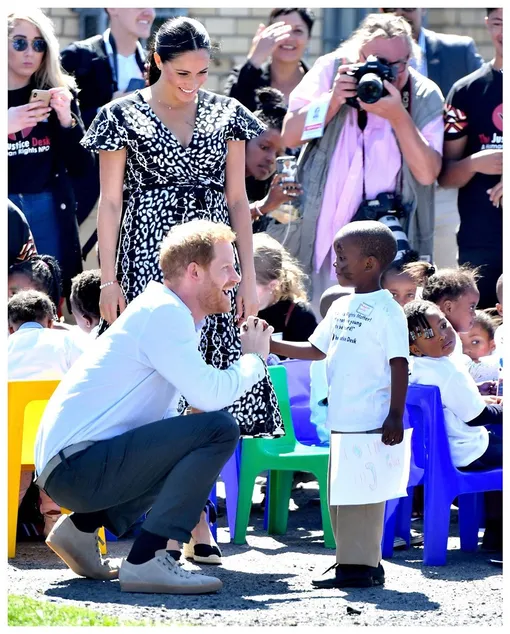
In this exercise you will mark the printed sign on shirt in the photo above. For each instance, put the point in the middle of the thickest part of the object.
(365, 471)
(316, 118)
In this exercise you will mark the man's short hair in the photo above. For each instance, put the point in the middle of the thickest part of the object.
(192, 241)
(28, 306)
(373, 239)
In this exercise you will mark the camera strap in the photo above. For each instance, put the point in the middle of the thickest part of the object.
(362, 123)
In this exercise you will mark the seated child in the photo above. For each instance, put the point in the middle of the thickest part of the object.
(84, 299)
(404, 276)
(456, 294)
(479, 345)
(281, 291)
(498, 335)
(318, 377)
(40, 273)
(37, 351)
(364, 340)
(472, 446)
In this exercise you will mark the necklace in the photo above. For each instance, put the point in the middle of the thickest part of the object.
(164, 104)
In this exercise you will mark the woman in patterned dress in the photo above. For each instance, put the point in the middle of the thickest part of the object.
(168, 154)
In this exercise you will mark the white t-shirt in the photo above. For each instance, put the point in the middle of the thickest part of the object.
(480, 371)
(318, 392)
(135, 372)
(461, 402)
(359, 335)
(37, 353)
(128, 68)
(498, 339)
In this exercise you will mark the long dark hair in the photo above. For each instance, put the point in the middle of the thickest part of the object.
(175, 37)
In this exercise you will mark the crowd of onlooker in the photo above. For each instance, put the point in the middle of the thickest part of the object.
(436, 130)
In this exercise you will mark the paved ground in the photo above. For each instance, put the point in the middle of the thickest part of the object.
(267, 582)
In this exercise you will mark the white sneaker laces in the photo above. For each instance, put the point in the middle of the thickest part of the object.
(175, 567)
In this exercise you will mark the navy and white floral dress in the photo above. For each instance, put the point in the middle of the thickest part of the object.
(167, 184)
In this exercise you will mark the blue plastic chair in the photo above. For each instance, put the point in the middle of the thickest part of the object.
(443, 482)
(298, 380)
(398, 512)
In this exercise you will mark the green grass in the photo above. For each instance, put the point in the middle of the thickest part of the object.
(23, 610)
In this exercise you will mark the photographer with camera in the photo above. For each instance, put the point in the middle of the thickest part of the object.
(380, 152)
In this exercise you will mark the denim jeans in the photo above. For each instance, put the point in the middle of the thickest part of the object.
(41, 214)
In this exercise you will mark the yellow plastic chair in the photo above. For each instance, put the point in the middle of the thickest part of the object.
(26, 404)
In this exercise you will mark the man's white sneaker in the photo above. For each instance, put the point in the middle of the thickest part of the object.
(163, 575)
(80, 551)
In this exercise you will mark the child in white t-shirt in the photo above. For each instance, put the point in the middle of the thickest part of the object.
(472, 446)
(37, 351)
(404, 277)
(364, 340)
(479, 345)
(84, 299)
(318, 375)
(456, 294)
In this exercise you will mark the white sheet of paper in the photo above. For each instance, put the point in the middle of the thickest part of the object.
(315, 119)
(365, 471)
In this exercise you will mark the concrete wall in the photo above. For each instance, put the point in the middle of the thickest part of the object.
(463, 22)
(233, 30)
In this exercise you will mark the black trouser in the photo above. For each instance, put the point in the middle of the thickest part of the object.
(491, 459)
(169, 466)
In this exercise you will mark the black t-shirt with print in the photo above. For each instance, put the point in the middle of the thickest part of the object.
(474, 109)
(30, 152)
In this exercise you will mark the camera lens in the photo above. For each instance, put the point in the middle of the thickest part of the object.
(370, 88)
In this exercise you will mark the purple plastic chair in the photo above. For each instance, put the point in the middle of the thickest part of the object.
(443, 482)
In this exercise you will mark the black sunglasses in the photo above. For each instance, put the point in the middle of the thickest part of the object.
(20, 44)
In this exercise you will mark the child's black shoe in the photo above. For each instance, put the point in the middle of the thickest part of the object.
(351, 576)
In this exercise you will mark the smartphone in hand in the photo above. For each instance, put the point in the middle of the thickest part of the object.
(135, 83)
(287, 167)
(40, 95)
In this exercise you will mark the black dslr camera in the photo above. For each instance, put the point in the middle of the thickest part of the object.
(389, 209)
(386, 204)
(370, 76)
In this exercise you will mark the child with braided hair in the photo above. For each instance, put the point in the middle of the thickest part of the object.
(472, 446)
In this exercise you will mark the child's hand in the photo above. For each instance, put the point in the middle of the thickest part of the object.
(392, 430)
(488, 388)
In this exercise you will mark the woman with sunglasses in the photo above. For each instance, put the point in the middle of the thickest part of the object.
(44, 138)
(387, 148)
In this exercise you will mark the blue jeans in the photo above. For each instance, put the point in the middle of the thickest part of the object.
(41, 214)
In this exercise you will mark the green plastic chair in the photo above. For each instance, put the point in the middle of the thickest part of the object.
(281, 456)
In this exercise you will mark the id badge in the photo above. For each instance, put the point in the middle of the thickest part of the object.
(315, 119)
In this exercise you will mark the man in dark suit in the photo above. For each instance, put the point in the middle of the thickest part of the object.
(104, 65)
(445, 58)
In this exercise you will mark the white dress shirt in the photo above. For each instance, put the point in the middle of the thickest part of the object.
(421, 66)
(135, 372)
(38, 353)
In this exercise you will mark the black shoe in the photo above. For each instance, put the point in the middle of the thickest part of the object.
(352, 576)
(378, 575)
(492, 541)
